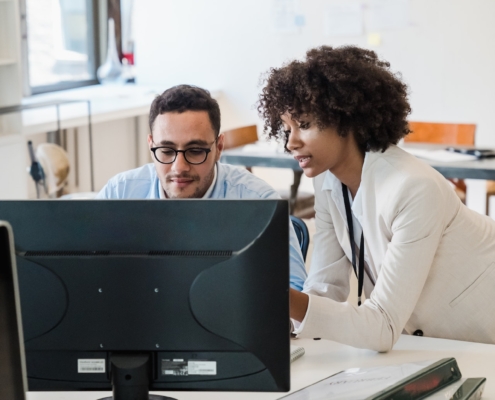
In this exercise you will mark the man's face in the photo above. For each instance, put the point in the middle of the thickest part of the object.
(182, 131)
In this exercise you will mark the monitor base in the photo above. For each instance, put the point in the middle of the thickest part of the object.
(131, 376)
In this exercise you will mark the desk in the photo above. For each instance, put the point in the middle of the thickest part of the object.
(479, 169)
(324, 358)
(265, 158)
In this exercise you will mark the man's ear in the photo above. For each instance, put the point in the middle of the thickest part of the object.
(150, 141)
(219, 145)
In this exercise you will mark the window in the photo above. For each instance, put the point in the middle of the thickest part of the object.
(62, 51)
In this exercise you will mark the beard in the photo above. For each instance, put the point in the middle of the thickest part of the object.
(201, 188)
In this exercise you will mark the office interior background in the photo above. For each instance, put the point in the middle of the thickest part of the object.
(443, 49)
(50, 50)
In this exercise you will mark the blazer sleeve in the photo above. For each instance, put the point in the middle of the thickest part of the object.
(330, 268)
(416, 217)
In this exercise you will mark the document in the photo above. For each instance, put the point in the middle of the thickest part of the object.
(263, 147)
(439, 155)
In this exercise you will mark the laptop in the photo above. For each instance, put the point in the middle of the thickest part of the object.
(12, 362)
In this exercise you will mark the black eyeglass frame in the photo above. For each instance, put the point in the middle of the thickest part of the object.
(206, 150)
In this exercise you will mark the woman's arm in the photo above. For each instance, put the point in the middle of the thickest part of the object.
(298, 304)
(416, 219)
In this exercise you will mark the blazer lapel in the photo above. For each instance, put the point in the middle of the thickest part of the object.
(333, 187)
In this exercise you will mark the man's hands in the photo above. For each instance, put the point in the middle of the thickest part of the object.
(298, 304)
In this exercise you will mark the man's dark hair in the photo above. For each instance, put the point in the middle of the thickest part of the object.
(186, 98)
(347, 88)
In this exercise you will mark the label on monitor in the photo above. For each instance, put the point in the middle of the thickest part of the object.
(182, 367)
(91, 366)
(197, 367)
(176, 366)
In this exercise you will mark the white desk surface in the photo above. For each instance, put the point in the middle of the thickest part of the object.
(324, 358)
(107, 103)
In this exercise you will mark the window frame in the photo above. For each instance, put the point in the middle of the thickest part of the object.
(94, 29)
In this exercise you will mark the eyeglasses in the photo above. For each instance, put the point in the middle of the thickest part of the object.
(194, 155)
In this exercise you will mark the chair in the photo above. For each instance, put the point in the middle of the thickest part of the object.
(433, 132)
(240, 136)
(49, 169)
(302, 234)
(448, 134)
(301, 203)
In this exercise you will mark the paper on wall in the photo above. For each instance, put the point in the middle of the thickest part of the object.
(387, 14)
(286, 17)
(344, 18)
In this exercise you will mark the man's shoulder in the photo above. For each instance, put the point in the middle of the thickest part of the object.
(238, 182)
(146, 172)
(133, 184)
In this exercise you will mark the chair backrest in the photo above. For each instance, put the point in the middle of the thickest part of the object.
(240, 136)
(434, 132)
(302, 234)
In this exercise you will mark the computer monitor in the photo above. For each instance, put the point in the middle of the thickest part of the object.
(12, 367)
(157, 295)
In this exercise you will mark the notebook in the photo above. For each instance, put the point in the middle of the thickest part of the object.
(413, 380)
(296, 352)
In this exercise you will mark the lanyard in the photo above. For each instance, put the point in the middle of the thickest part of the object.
(350, 225)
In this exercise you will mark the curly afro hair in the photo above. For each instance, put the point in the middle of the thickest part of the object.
(347, 88)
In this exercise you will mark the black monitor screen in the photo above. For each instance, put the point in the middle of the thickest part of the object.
(178, 294)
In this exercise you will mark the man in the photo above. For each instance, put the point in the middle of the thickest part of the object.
(186, 145)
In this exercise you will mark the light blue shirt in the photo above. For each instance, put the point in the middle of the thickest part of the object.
(231, 183)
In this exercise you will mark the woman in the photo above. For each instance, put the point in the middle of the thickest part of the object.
(426, 262)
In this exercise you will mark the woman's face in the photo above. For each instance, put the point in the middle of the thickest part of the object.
(317, 150)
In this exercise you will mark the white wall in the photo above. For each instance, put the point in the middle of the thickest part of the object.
(446, 54)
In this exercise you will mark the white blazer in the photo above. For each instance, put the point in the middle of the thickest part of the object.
(433, 259)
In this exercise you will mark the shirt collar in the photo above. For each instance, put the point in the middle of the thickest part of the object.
(210, 189)
(206, 195)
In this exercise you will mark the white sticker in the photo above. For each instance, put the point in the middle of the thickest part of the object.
(91, 366)
(202, 367)
(176, 367)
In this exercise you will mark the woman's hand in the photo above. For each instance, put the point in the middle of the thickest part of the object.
(298, 304)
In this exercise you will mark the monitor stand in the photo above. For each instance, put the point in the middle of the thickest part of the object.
(131, 376)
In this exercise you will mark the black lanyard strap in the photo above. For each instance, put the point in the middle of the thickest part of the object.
(350, 226)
